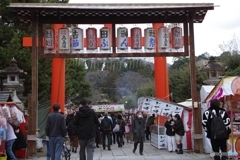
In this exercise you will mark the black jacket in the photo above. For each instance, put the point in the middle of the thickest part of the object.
(169, 128)
(179, 128)
(71, 129)
(85, 121)
(56, 125)
(206, 120)
(101, 125)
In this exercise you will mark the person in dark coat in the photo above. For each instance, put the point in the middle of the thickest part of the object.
(121, 131)
(98, 135)
(72, 133)
(85, 120)
(138, 127)
(178, 128)
(56, 130)
(106, 131)
(114, 123)
(170, 134)
(150, 121)
(206, 123)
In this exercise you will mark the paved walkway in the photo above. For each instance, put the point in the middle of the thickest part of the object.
(150, 153)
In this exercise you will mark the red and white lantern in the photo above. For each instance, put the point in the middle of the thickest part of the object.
(63, 40)
(77, 40)
(49, 41)
(136, 38)
(176, 33)
(122, 38)
(163, 38)
(91, 36)
(149, 39)
(105, 40)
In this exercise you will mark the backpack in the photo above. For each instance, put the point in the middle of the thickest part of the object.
(106, 124)
(218, 128)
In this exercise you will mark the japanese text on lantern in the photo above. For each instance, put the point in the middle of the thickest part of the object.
(177, 37)
(165, 37)
(63, 35)
(104, 37)
(151, 35)
(123, 34)
(137, 38)
(91, 39)
(49, 39)
(75, 41)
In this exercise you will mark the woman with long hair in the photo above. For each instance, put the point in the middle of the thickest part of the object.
(170, 133)
(178, 128)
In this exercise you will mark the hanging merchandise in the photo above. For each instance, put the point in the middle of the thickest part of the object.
(149, 39)
(177, 42)
(122, 38)
(105, 39)
(49, 41)
(163, 38)
(136, 38)
(91, 36)
(77, 40)
(63, 40)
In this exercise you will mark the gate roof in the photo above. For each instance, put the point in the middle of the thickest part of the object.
(112, 13)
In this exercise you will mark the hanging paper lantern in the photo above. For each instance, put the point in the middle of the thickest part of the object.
(63, 40)
(49, 41)
(91, 36)
(136, 38)
(122, 38)
(105, 39)
(163, 38)
(77, 40)
(149, 38)
(176, 37)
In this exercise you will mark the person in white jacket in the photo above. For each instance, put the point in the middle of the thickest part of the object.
(10, 135)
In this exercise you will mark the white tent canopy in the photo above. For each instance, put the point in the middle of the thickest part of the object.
(204, 92)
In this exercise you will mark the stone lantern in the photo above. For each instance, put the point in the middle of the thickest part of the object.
(213, 70)
(12, 82)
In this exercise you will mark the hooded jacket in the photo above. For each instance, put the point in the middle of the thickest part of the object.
(85, 120)
(207, 119)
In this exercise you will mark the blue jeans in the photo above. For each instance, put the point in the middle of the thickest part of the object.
(9, 150)
(55, 147)
(90, 144)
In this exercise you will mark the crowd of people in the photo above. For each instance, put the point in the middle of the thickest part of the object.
(89, 130)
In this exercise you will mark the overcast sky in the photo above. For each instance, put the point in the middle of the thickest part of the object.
(219, 25)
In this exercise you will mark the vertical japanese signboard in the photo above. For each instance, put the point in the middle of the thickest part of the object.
(163, 38)
(49, 41)
(177, 42)
(149, 41)
(77, 40)
(136, 38)
(63, 40)
(122, 38)
(105, 39)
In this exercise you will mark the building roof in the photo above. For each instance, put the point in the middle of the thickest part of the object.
(212, 66)
(104, 13)
(12, 68)
(4, 96)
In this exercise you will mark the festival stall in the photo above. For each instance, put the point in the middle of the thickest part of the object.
(9, 113)
(110, 108)
(162, 109)
(228, 92)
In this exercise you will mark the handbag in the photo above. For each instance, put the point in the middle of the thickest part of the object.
(116, 128)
